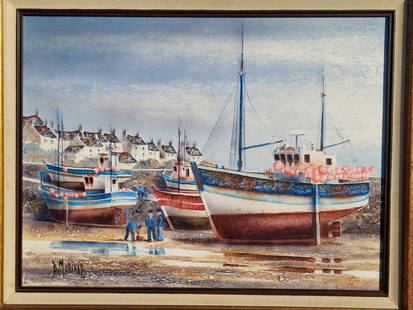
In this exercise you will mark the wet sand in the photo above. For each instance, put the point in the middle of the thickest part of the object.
(193, 260)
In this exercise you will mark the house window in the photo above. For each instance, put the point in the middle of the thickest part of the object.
(175, 168)
(187, 173)
(113, 181)
(283, 158)
(296, 158)
(329, 162)
(276, 157)
(307, 158)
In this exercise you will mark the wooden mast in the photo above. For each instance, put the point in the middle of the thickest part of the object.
(241, 131)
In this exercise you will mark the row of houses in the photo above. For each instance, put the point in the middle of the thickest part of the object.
(77, 145)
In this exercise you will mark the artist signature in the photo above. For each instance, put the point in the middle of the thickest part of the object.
(62, 268)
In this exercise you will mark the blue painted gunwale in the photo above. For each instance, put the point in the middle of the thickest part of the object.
(82, 171)
(167, 178)
(90, 200)
(232, 180)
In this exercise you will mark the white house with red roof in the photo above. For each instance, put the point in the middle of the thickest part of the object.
(38, 132)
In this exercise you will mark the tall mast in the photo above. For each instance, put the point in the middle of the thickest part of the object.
(323, 119)
(185, 137)
(241, 133)
(58, 148)
(179, 154)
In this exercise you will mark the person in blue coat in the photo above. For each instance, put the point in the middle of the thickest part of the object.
(131, 228)
(150, 223)
(160, 221)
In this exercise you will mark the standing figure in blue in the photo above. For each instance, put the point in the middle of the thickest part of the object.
(160, 221)
(140, 191)
(150, 222)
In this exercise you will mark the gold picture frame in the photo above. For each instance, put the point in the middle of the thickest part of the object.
(400, 281)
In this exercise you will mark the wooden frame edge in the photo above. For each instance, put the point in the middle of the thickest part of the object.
(407, 264)
(407, 220)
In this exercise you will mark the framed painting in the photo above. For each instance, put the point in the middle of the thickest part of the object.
(206, 154)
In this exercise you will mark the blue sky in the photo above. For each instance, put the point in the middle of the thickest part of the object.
(142, 74)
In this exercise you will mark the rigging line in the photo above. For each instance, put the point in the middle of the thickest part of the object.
(255, 111)
(335, 127)
(216, 123)
(352, 154)
(353, 157)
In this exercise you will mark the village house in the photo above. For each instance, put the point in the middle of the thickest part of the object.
(92, 148)
(66, 137)
(153, 151)
(38, 132)
(32, 120)
(193, 154)
(136, 146)
(123, 160)
(167, 152)
(82, 147)
(95, 135)
(48, 139)
(112, 142)
(72, 153)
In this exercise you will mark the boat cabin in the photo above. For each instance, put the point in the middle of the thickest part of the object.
(291, 156)
(185, 171)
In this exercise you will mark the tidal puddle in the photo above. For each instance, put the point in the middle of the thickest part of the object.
(269, 257)
(180, 263)
(105, 248)
(109, 248)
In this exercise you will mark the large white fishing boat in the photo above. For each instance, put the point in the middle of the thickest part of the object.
(301, 200)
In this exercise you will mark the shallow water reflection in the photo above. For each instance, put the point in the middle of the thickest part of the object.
(106, 248)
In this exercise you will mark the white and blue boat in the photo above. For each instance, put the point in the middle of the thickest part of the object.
(91, 207)
(85, 179)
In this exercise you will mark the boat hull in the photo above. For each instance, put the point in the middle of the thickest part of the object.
(246, 209)
(183, 210)
(104, 209)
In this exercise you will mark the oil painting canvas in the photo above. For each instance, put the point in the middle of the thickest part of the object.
(203, 152)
